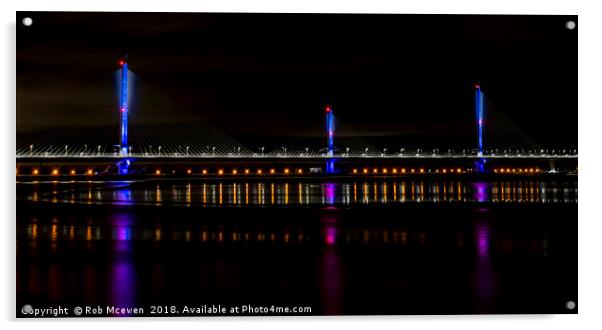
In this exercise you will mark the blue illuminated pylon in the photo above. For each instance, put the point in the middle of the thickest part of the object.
(479, 107)
(123, 108)
(124, 164)
(329, 131)
(329, 140)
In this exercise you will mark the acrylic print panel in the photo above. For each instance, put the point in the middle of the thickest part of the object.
(198, 164)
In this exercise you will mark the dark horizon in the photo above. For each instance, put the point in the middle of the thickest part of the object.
(268, 76)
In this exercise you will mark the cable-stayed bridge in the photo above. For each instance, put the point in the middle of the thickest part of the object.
(197, 142)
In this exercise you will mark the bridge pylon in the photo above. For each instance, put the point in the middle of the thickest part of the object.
(124, 163)
(330, 130)
(480, 121)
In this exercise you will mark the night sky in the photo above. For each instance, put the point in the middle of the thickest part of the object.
(268, 76)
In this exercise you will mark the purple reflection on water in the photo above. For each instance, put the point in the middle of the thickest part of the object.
(329, 193)
(331, 275)
(481, 191)
(123, 274)
(123, 234)
(331, 236)
(329, 230)
(122, 228)
(123, 290)
(484, 273)
(482, 238)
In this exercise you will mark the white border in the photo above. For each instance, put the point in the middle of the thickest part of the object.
(590, 56)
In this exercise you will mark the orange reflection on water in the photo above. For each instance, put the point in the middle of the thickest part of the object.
(88, 233)
(444, 191)
(188, 195)
(220, 194)
(158, 196)
(34, 231)
(403, 191)
(261, 193)
(53, 232)
(234, 193)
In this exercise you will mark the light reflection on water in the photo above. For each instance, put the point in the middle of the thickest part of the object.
(125, 231)
(122, 272)
(484, 273)
(392, 252)
(332, 280)
(327, 194)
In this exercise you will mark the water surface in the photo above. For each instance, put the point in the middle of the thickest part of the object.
(373, 247)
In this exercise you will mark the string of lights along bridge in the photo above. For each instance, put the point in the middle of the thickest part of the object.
(203, 159)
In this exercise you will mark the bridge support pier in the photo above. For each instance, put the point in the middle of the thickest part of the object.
(330, 166)
(123, 166)
(552, 166)
(480, 165)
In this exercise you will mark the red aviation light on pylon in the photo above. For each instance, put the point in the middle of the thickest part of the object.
(121, 62)
(477, 86)
(328, 108)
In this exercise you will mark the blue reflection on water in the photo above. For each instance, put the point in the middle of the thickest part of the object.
(123, 272)
(124, 196)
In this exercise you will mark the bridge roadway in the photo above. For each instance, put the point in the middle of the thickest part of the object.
(108, 157)
(153, 165)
